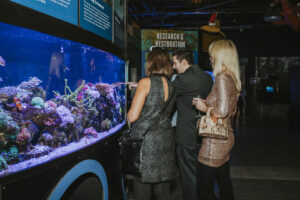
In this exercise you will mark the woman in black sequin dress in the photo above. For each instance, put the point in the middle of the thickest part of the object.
(150, 114)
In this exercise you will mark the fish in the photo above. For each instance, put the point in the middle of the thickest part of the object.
(2, 61)
(1, 79)
(16, 99)
(18, 103)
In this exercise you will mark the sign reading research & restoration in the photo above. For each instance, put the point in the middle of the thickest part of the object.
(171, 40)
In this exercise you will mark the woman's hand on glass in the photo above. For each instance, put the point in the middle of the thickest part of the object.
(200, 104)
(131, 85)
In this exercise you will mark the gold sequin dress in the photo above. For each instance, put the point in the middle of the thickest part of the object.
(223, 100)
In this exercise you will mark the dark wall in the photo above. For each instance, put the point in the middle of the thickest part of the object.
(295, 96)
(277, 41)
(134, 50)
(272, 42)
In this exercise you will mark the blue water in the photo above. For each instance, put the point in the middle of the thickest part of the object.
(28, 53)
(85, 80)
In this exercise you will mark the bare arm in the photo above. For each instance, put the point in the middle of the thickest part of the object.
(139, 100)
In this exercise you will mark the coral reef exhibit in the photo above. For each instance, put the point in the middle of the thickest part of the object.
(56, 97)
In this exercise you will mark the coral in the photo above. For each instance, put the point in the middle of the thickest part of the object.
(37, 102)
(64, 119)
(74, 110)
(60, 138)
(69, 95)
(37, 151)
(3, 164)
(46, 139)
(2, 139)
(33, 129)
(12, 154)
(4, 154)
(38, 92)
(23, 137)
(111, 99)
(30, 110)
(90, 132)
(4, 118)
(8, 128)
(50, 104)
(12, 91)
(79, 97)
(23, 94)
(78, 127)
(57, 97)
(84, 120)
(32, 83)
(104, 88)
(84, 88)
(12, 126)
(49, 122)
(90, 84)
(65, 115)
(8, 91)
(95, 94)
(106, 124)
(72, 97)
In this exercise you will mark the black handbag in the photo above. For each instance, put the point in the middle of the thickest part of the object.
(130, 151)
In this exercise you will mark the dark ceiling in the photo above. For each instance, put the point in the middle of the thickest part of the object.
(191, 14)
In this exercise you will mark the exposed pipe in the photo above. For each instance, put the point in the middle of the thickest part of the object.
(237, 27)
(195, 12)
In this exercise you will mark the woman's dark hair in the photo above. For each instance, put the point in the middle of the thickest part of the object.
(158, 62)
(184, 54)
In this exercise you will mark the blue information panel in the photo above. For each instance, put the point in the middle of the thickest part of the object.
(66, 10)
(96, 16)
(119, 23)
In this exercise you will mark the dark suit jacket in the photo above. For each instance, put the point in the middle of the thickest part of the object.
(194, 81)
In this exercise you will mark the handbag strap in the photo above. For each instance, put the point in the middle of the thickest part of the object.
(208, 112)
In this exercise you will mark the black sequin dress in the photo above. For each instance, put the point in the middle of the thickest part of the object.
(158, 148)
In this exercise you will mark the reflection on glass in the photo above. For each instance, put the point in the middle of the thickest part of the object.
(56, 97)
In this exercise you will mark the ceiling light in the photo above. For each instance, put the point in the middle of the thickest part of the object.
(272, 14)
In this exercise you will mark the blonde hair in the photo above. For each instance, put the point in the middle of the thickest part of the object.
(225, 57)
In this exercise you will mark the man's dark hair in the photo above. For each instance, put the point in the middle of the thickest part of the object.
(184, 54)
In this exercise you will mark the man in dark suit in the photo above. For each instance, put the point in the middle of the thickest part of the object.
(190, 82)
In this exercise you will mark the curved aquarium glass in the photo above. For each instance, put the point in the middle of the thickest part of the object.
(56, 97)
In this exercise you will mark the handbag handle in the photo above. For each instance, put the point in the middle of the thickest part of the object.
(208, 112)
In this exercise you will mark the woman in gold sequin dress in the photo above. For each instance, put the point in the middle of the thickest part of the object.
(214, 153)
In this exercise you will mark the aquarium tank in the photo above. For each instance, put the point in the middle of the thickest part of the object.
(56, 96)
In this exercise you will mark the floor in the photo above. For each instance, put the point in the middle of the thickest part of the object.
(265, 162)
